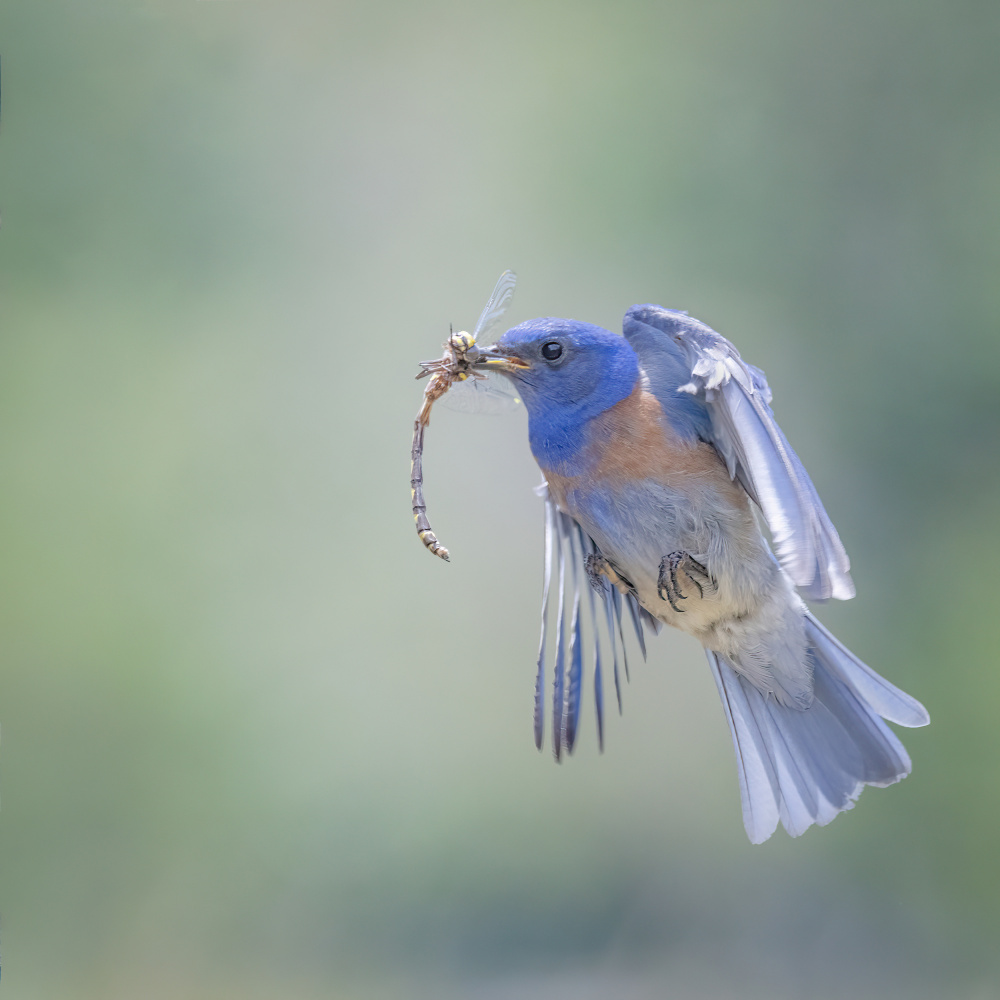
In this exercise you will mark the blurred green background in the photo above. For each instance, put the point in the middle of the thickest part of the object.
(256, 742)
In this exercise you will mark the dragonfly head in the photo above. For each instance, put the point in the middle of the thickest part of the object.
(461, 342)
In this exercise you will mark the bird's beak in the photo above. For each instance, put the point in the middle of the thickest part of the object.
(496, 359)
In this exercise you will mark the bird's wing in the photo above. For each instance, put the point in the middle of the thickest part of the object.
(688, 363)
(570, 580)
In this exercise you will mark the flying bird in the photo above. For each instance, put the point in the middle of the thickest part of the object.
(661, 456)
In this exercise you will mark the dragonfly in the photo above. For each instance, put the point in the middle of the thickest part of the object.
(465, 365)
(576, 574)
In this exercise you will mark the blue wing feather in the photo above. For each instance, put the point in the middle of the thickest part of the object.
(575, 689)
(708, 391)
(559, 670)
(567, 547)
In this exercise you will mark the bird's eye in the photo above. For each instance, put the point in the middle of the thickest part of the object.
(551, 350)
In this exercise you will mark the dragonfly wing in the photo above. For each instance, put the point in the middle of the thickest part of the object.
(497, 305)
(493, 394)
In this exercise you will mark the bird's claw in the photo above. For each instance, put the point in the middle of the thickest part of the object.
(666, 583)
(599, 569)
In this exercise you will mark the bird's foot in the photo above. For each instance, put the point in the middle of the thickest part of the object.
(666, 583)
(599, 569)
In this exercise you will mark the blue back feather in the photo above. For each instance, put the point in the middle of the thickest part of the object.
(668, 368)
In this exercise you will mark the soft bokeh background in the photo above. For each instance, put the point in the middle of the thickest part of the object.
(256, 742)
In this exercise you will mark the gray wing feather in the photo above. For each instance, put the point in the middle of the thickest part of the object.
(588, 547)
(616, 606)
(609, 614)
(743, 429)
(805, 541)
(633, 610)
(546, 586)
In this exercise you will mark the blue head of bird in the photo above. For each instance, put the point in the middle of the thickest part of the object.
(566, 372)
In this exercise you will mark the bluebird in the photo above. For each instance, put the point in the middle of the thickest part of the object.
(661, 455)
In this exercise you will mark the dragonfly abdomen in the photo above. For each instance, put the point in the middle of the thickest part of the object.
(424, 531)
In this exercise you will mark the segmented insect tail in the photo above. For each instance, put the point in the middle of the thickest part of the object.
(424, 531)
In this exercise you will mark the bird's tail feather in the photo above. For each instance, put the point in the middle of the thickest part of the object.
(805, 767)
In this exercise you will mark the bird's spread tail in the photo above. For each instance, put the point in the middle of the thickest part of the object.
(805, 767)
